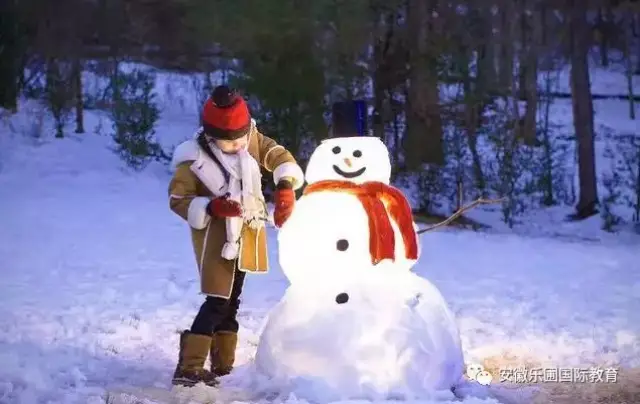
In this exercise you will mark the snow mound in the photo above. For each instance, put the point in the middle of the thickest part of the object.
(386, 336)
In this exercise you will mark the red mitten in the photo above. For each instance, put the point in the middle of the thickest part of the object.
(224, 207)
(284, 199)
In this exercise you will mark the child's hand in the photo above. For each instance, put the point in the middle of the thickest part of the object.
(284, 200)
(224, 207)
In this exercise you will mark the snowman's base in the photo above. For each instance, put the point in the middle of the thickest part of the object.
(389, 336)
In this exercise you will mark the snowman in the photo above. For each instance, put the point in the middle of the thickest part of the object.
(341, 164)
(355, 322)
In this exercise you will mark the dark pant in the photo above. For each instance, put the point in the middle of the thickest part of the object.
(218, 314)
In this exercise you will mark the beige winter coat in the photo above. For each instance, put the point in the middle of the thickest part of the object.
(188, 197)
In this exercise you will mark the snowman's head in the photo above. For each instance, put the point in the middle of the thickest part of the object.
(356, 159)
(325, 241)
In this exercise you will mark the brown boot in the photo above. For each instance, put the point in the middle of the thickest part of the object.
(223, 352)
(194, 349)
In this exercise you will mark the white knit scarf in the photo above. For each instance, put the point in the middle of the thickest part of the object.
(245, 187)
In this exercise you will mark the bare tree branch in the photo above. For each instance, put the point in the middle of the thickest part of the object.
(459, 212)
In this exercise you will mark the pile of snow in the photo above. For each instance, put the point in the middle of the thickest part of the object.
(392, 337)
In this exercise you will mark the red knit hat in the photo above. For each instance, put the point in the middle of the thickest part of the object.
(225, 115)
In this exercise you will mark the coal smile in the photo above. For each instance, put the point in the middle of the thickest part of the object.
(345, 174)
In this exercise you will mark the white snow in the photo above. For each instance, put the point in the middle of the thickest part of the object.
(392, 336)
(98, 276)
(308, 241)
(604, 82)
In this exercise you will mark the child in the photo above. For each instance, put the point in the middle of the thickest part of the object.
(216, 188)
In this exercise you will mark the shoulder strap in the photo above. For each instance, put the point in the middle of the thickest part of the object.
(202, 142)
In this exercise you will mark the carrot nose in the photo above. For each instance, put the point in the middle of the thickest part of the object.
(348, 162)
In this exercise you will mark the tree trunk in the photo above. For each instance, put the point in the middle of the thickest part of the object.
(509, 33)
(628, 35)
(378, 119)
(55, 95)
(637, 30)
(582, 110)
(530, 81)
(523, 54)
(382, 33)
(487, 75)
(610, 24)
(544, 36)
(396, 109)
(603, 31)
(506, 41)
(11, 54)
(77, 94)
(472, 113)
(547, 176)
(423, 139)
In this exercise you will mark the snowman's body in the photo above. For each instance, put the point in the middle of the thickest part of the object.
(393, 337)
(308, 242)
(326, 234)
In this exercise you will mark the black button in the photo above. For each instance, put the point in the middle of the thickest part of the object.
(342, 245)
(357, 153)
(342, 298)
(336, 150)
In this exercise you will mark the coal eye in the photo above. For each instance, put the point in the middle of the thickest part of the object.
(342, 245)
(336, 150)
(357, 153)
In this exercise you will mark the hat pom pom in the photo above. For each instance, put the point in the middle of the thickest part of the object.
(223, 97)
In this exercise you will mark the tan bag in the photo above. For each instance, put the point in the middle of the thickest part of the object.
(253, 255)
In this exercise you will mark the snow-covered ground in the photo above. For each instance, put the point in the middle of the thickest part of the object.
(604, 82)
(610, 117)
(98, 278)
